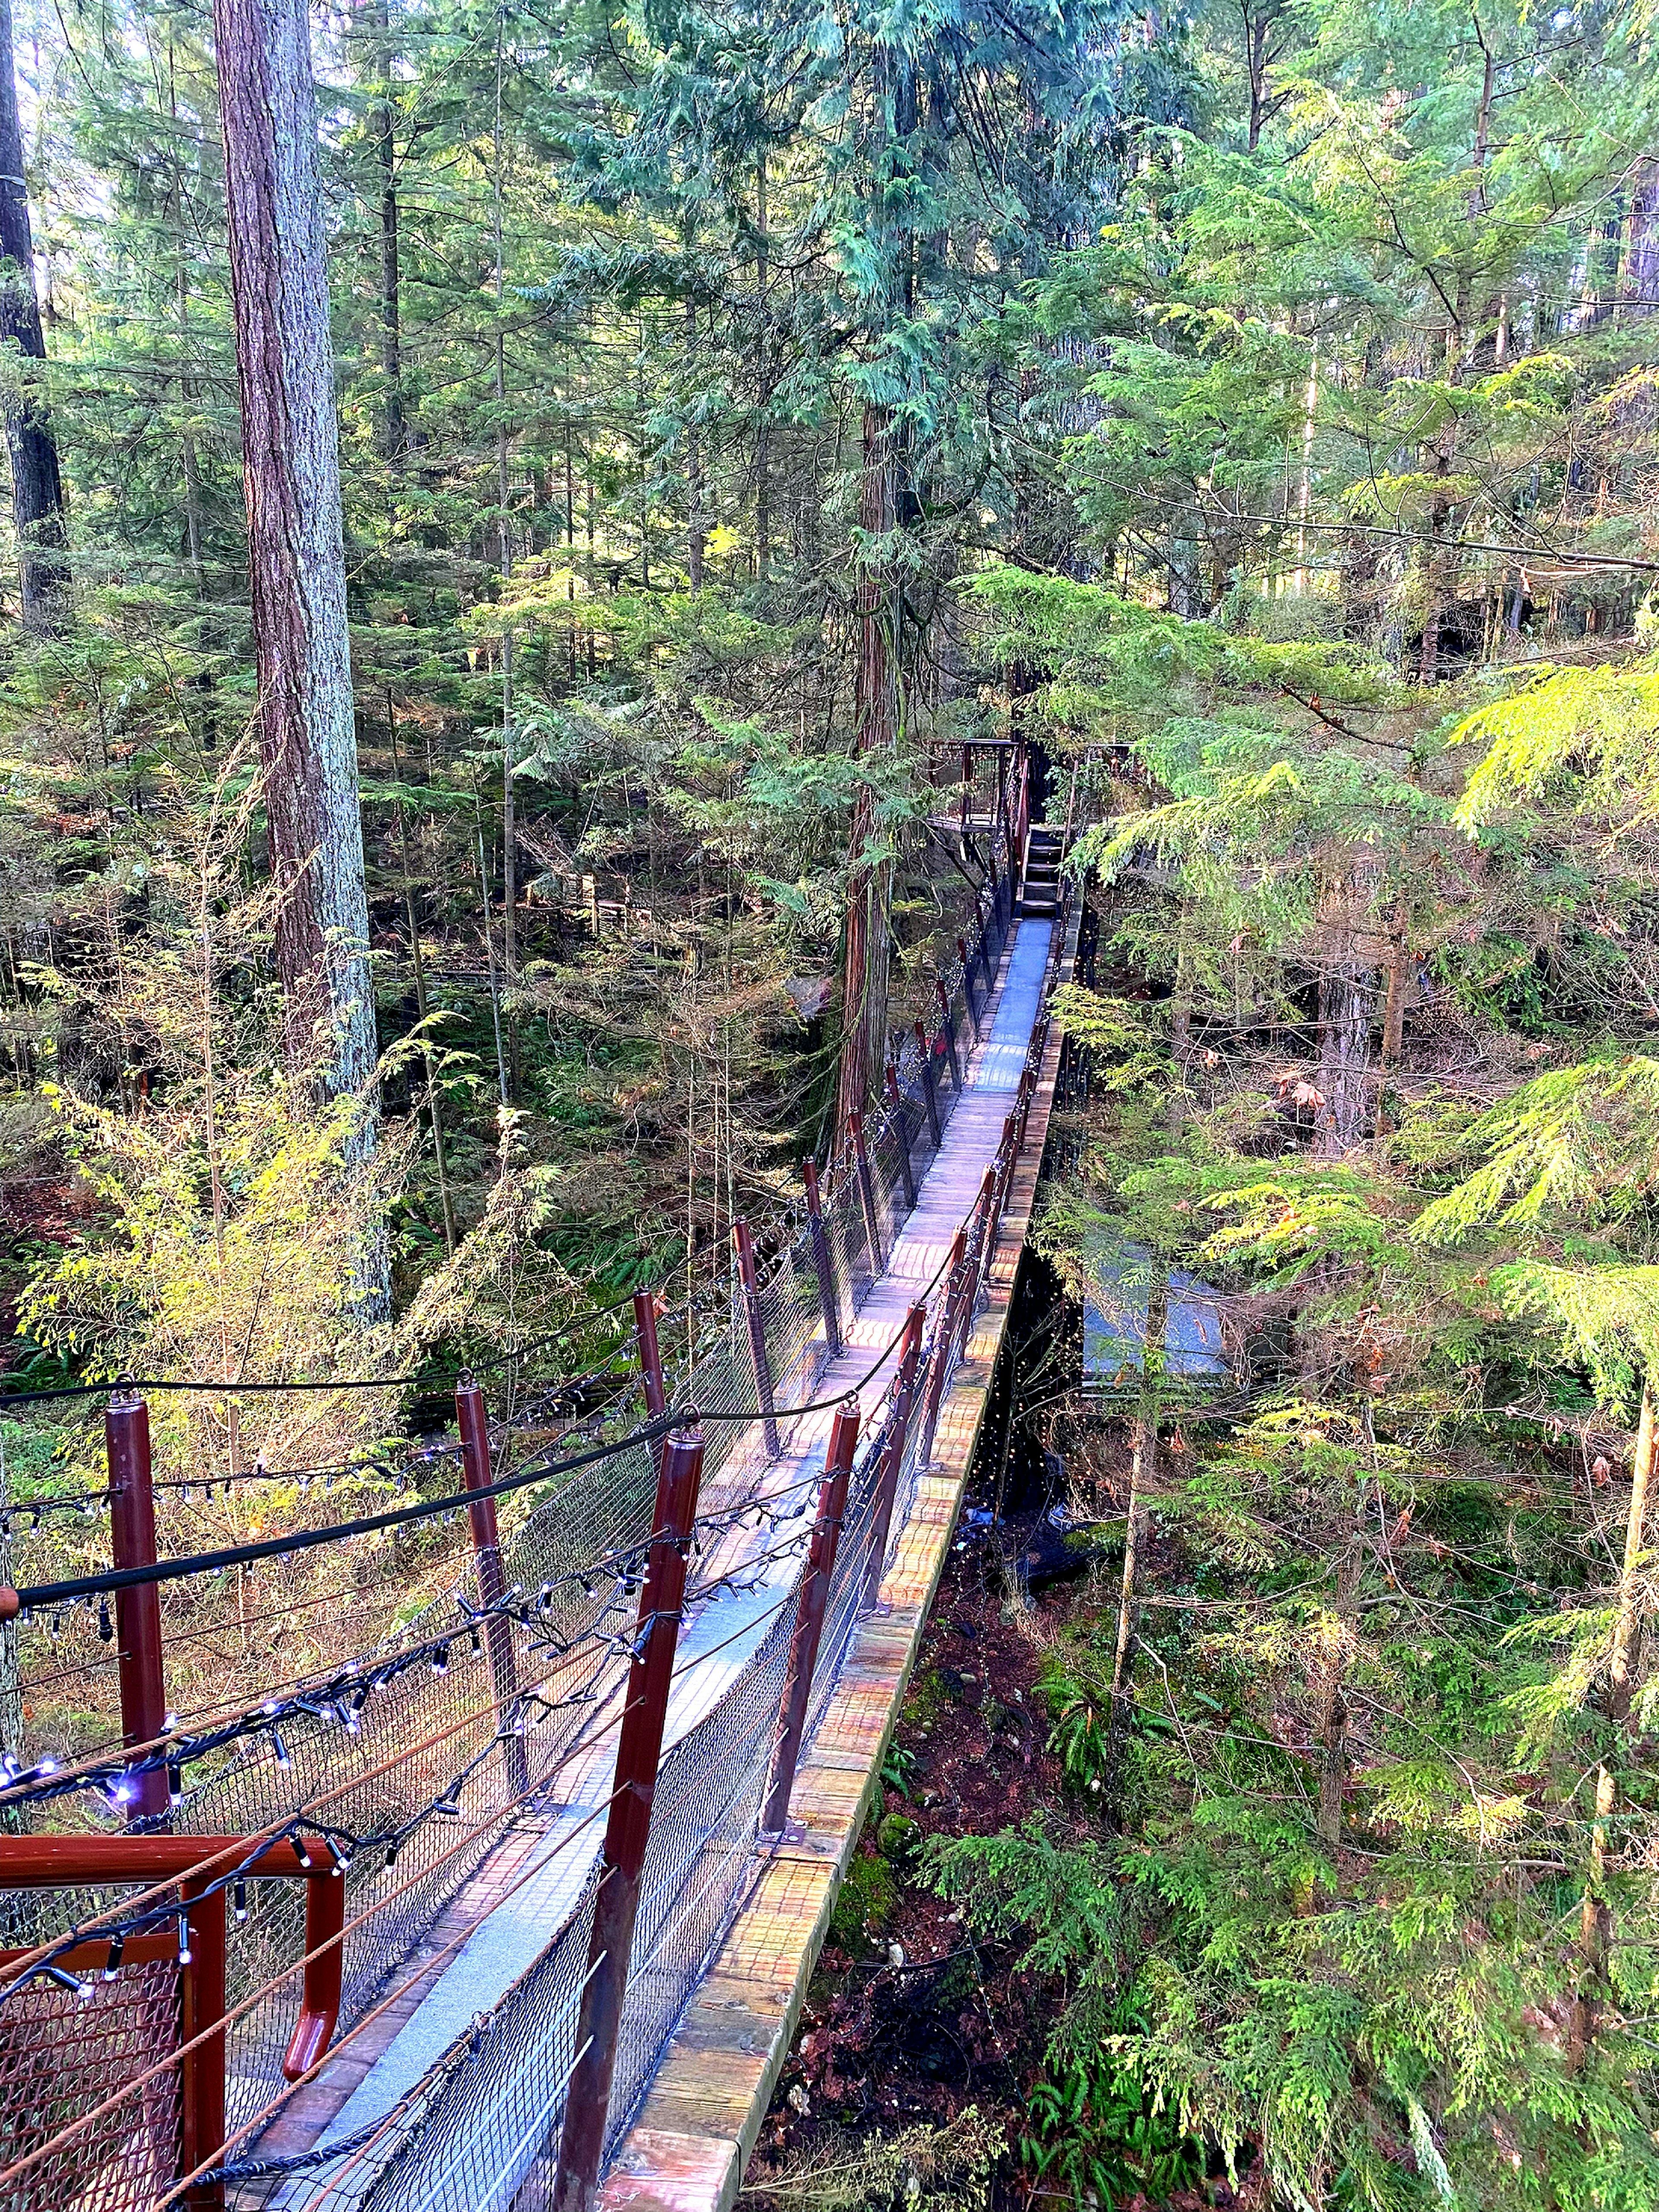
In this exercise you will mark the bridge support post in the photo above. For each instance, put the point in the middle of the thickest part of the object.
(645, 1333)
(472, 1418)
(201, 2071)
(138, 1610)
(948, 1022)
(627, 1829)
(940, 1365)
(758, 1355)
(968, 984)
(809, 1618)
(1001, 1176)
(904, 1387)
(866, 1192)
(929, 1081)
(828, 1296)
(896, 1101)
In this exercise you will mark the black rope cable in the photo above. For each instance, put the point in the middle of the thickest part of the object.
(44, 1595)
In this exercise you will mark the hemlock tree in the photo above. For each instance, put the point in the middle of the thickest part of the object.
(296, 560)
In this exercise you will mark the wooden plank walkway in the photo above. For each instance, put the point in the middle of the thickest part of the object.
(703, 2111)
(527, 1888)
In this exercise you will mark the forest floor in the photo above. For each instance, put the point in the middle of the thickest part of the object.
(919, 2044)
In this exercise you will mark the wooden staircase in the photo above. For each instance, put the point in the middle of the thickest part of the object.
(1039, 878)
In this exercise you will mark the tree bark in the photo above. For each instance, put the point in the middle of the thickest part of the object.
(762, 383)
(1640, 289)
(394, 432)
(1346, 993)
(868, 939)
(296, 563)
(37, 489)
(1393, 1012)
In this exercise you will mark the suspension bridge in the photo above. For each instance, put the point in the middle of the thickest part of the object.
(518, 1908)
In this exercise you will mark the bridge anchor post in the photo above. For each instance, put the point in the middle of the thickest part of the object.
(627, 1829)
(809, 1624)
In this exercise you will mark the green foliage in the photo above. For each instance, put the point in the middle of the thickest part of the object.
(1098, 2134)
(864, 1903)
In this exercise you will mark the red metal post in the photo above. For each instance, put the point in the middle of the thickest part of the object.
(940, 1364)
(1027, 1087)
(808, 1618)
(587, 2102)
(822, 1261)
(138, 1610)
(319, 2004)
(968, 984)
(894, 1099)
(1003, 1176)
(948, 1024)
(645, 1329)
(201, 2003)
(758, 1355)
(472, 1418)
(929, 1081)
(866, 1192)
(904, 1388)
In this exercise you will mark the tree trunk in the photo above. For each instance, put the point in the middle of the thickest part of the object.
(1640, 289)
(37, 491)
(762, 384)
(1393, 1012)
(1346, 993)
(696, 535)
(296, 563)
(394, 434)
(868, 943)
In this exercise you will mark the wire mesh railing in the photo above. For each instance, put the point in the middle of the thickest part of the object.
(414, 1763)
